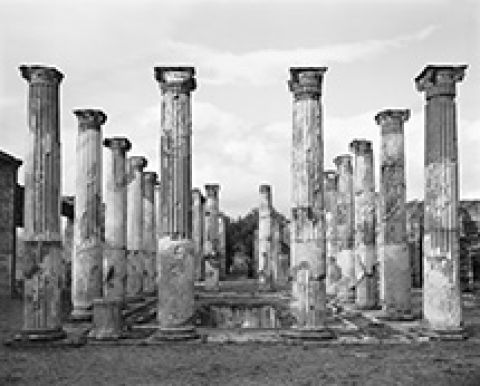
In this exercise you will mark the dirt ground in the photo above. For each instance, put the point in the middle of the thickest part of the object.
(431, 363)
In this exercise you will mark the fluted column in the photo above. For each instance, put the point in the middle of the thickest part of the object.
(87, 266)
(149, 239)
(308, 221)
(43, 240)
(395, 273)
(175, 253)
(211, 242)
(197, 230)
(345, 226)
(115, 257)
(365, 205)
(332, 268)
(442, 305)
(135, 251)
(265, 236)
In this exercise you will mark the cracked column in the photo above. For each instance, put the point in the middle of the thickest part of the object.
(87, 264)
(265, 237)
(175, 253)
(149, 239)
(333, 270)
(442, 305)
(395, 274)
(135, 252)
(345, 227)
(115, 256)
(197, 230)
(211, 243)
(308, 222)
(42, 270)
(365, 205)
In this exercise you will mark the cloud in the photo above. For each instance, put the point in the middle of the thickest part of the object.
(269, 65)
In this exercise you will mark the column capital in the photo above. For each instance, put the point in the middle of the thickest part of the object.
(150, 177)
(330, 178)
(361, 146)
(212, 190)
(343, 159)
(197, 195)
(137, 162)
(90, 118)
(438, 80)
(41, 74)
(176, 79)
(265, 188)
(306, 82)
(392, 115)
(120, 143)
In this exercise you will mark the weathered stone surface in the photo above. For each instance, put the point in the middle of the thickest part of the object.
(149, 237)
(135, 251)
(442, 308)
(395, 275)
(222, 244)
(265, 220)
(42, 232)
(345, 227)
(176, 85)
(198, 202)
(308, 220)
(365, 221)
(211, 242)
(107, 319)
(333, 270)
(87, 272)
(114, 254)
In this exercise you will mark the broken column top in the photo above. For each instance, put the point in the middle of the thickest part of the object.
(265, 188)
(120, 143)
(306, 81)
(90, 118)
(40, 74)
(361, 146)
(343, 160)
(438, 80)
(392, 116)
(137, 162)
(212, 190)
(177, 79)
(197, 195)
(330, 179)
(150, 176)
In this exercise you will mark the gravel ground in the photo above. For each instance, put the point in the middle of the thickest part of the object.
(436, 363)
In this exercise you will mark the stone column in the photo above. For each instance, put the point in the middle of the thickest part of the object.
(364, 203)
(158, 210)
(276, 250)
(43, 240)
(175, 253)
(395, 274)
(197, 230)
(210, 237)
(254, 261)
(265, 236)
(222, 245)
(333, 270)
(415, 241)
(308, 220)
(345, 227)
(149, 239)
(442, 305)
(115, 256)
(135, 251)
(87, 272)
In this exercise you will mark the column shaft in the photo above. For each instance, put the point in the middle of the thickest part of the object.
(197, 230)
(149, 243)
(265, 230)
(333, 270)
(211, 242)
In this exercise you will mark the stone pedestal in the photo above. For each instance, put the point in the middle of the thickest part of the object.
(107, 319)
(211, 242)
(395, 274)
(197, 231)
(149, 243)
(308, 221)
(265, 219)
(43, 271)
(175, 289)
(442, 305)
(364, 204)
(115, 257)
(345, 228)
(135, 251)
(333, 269)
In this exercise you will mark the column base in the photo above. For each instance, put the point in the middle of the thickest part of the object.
(360, 307)
(453, 333)
(307, 334)
(395, 316)
(81, 315)
(175, 334)
(40, 335)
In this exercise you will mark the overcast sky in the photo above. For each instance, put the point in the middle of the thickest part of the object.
(242, 51)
